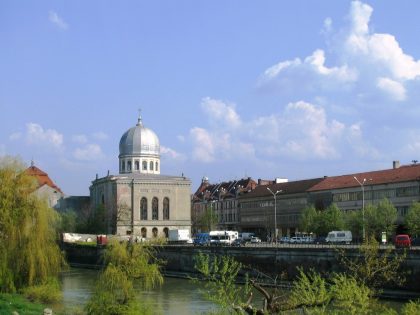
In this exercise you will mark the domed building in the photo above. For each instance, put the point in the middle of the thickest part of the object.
(139, 201)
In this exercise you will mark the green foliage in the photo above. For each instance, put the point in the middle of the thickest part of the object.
(348, 296)
(374, 267)
(47, 293)
(95, 222)
(412, 220)
(353, 221)
(308, 290)
(411, 308)
(380, 218)
(68, 221)
(208, 219)
(114, 292)
(137, 260)
(10, 303)
(322, 222)
(220, 273)
(29, 253)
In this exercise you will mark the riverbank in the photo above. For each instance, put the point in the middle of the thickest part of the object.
(10, 303)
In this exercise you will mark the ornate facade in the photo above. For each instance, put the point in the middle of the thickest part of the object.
(139, 200)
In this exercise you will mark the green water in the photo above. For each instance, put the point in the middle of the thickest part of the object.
(176, 296)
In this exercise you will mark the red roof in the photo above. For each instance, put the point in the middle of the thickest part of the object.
(404, 173)
(41, 177)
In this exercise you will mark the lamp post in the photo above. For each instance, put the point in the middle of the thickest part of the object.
(362, 185)
(275, 211)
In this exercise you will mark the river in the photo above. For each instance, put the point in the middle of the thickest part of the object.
(175, 296)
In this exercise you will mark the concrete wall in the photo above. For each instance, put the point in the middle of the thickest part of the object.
(270, 260)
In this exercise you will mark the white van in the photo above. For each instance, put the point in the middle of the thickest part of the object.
(339, 237)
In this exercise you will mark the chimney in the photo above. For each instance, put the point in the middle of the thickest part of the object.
(395, 164)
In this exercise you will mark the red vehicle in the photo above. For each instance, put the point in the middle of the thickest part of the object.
(402, 240)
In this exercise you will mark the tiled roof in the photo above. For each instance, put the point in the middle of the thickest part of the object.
(395, 175)
(295, 187)
(224, 189)
(41, 177)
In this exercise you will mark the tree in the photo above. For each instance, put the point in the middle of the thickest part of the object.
(331, 220)
(29, 252)
(208, 218)
(412, 220)
(68, 221)
(374, 267)
(353, 222)
(380, 218)
(114, 293)
(308, 219)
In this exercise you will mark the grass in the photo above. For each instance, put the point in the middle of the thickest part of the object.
(15, 302)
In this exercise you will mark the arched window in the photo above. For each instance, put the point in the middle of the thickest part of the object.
(123, 166)
(143, 209)
(144, 165)
(151, 165)
(155, 209)
(157, 166)
(166, 232)
(128, 165)
(136, 165)
(143, 232)
(155, 232)
(166, 208)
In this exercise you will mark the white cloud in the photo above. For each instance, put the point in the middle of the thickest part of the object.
(171, 153)
(100, 135)
(394, 88)
(90, 152)
(219, 111)
(36, 135)
(368, 64)
(57, 20)
(15, 136)
(79, 139)
(204, 148)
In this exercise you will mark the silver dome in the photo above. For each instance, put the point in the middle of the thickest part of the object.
(139, 141)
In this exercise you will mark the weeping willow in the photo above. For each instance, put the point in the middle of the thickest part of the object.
(29, 254)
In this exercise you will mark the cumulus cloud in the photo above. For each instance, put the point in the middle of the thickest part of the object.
(79, 139)
(54, 18)
(90, 152)
(366, 63)
(36, 135)
(100, 135)
(171, 153)
(219, 111)
(204, 146)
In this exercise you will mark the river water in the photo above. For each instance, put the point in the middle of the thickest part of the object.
(175, 296)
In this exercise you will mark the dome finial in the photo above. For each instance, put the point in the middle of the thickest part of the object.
(139, 121)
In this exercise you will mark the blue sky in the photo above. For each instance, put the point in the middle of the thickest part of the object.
(292, 89)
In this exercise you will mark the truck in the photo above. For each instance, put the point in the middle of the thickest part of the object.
(179, 236)
(223, 237)
(246, 236)
(339, 237)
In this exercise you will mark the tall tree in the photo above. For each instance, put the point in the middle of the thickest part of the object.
(412, 220)
(380, 218)
(308, 220)
(29, 252)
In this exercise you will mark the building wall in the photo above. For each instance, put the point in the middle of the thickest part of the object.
(51, 195)
(122, 200)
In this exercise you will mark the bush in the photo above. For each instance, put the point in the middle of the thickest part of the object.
(47, 293)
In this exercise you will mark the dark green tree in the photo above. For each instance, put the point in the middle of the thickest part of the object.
(380, 218)
(412, 220)
(309, 220)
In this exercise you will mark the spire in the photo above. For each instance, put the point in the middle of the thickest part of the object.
(32, 163)
(139, 120)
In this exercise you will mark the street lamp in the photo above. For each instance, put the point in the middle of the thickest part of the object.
(362, 185)
(275, 211)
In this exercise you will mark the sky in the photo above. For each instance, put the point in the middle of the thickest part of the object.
(263, 89)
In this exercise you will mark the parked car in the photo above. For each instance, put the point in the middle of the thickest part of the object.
(284, 239)
(402, 241)
(296, 240)
(239, 242)
(320, 240)
(255, 239)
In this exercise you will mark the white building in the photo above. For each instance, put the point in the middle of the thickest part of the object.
(139, 200)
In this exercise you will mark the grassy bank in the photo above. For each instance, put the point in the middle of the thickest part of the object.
(15, 302)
